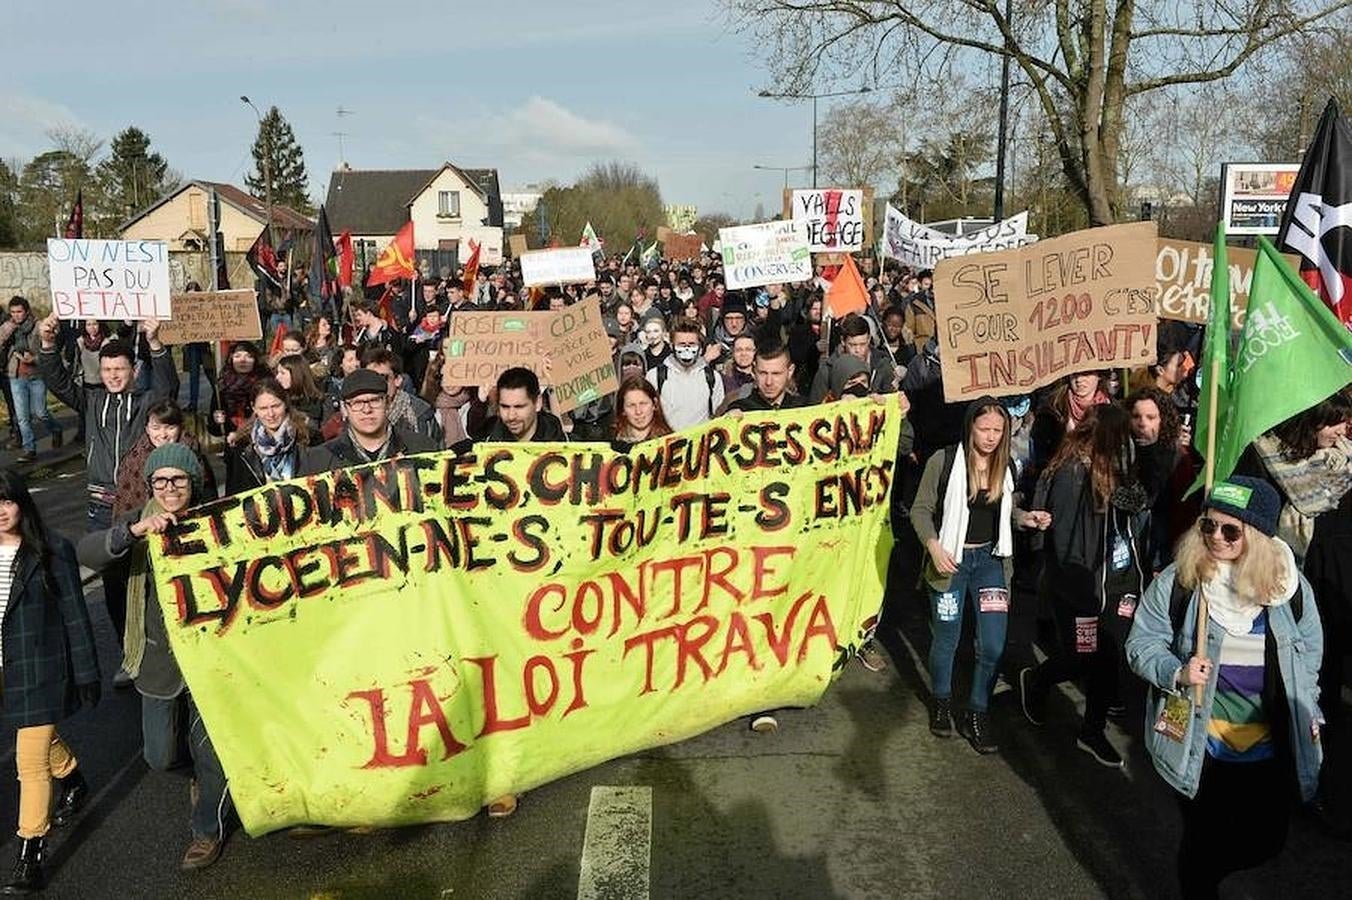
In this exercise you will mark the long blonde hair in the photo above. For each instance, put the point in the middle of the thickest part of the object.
(1260, 571)
(998, 462)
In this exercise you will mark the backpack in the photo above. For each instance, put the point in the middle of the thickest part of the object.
(1179, 597)
(709, 376)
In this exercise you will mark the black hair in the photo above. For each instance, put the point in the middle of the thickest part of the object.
(32, 532)
(115, 348)
(16, 300)
(166, 412)
(854, 325)
(772, 349)
(1299, 434)
(376, 355)
(519, 378)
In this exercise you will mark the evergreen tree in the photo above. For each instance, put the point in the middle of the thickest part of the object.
(131, 177)
(276, 142)
(47, 188)
(9, 206)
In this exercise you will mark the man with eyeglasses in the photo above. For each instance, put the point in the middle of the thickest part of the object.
(369, 435)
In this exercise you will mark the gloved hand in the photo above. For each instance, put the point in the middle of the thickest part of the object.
(90, 694)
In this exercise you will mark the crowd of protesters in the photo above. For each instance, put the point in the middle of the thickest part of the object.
(1066, 509)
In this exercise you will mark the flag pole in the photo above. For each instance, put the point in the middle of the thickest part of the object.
(1213, 393)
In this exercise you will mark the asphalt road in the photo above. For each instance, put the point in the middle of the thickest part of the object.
(853, 798)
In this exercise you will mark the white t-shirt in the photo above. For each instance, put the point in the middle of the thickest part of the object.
(8, 554)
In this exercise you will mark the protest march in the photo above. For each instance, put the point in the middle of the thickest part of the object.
(376, 531)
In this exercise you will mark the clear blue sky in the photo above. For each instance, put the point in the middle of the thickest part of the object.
(536, 88)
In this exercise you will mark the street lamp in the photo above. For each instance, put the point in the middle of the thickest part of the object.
(267, 158)
(814, 98)
(785, 169)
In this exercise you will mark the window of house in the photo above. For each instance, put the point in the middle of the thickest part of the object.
(448, 204)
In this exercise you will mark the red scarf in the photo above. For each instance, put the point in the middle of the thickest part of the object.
(1077, 408)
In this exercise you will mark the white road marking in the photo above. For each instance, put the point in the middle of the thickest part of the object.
(617, 848)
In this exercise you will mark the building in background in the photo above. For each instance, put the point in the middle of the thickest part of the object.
(179, 218)
(448, 206)
(517, 202)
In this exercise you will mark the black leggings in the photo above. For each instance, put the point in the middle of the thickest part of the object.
(1238, 820)
(1099, 668)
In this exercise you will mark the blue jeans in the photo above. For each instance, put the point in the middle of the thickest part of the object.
(163, 729)
(30, 399)
(981, 577)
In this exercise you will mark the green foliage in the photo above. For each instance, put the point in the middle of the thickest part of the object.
(276, 143)
(615, 197)
(9, 206)
(131, 177)
(47, 189)
(945, 178)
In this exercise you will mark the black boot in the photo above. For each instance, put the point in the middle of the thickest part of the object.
(72, 791)
(975, 725)
(27, 876)
(941, 718)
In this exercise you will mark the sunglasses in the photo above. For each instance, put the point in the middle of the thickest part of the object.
(1229, 533)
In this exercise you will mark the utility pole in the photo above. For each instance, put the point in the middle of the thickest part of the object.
(1003, 134)
(267, 159)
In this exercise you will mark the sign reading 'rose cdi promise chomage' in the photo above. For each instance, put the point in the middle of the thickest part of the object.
(1017, 320)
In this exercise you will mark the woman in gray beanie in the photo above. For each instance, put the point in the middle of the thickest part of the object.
(1250, 748)
(169, 717)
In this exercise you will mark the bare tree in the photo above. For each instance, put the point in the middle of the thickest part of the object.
(860, 144)
(1085, 59)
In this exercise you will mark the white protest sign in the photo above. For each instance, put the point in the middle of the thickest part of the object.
(768, 253)
(566, 265)
(834, 217)
(914, 244)
(115, 280)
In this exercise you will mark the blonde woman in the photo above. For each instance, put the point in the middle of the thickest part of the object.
(1237, 755)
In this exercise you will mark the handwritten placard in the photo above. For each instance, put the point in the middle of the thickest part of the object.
(1016, 320)
(583, 368)
(566, 265)
(213, 316)
(114, 280)
(480, 346)
(767, 253)
(1183, 271)
(834, 217)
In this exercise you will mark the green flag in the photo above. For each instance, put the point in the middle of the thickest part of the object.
(1215, 356)
(1293, 353)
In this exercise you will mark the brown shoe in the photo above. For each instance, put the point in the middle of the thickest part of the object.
(202, 852)
(502, 807)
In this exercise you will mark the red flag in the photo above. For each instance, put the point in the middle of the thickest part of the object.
(472, 267)
(262, 259)
(1319, 212)
(345, 258)
(276, 347)
(385, 307)
(396, 260)
(75, 224)
(847, 293)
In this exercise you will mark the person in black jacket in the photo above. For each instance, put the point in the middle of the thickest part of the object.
(273, 445)
(521, 416)
(1328, 566)
(773, 373)
(368, 436)
(50, 669)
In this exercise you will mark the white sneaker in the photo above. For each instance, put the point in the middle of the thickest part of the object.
(122, 679)
(764, 724)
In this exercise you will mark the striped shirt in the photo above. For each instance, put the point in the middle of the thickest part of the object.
(8, 554)
(1239, 729)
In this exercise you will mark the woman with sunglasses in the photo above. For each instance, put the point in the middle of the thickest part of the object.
(49, 668)
(169, 717)
(1236, 755)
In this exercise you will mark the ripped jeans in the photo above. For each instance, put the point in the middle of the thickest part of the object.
(980, 577)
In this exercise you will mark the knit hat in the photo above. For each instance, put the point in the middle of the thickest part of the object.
(364, 381)
(1251, 500)
(734, 303)
(174, 456)
(843, 368)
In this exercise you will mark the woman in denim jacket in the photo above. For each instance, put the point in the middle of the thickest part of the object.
(1251, 746)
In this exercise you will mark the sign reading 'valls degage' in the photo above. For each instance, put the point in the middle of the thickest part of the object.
(423, 635)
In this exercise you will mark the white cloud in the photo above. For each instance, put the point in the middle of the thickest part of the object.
(24, 122)
(545, 126)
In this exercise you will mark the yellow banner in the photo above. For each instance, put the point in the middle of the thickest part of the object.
(406, 641)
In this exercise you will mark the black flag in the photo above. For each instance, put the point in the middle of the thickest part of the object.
(1317, 222)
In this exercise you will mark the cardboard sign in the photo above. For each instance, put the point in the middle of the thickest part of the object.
(115, 280)
(1014, 321)
(681, 246)
(1183, 271)
(834, 217)
(213, 316)
(480, 346)
(583, 368)
(517, 243)
(663, 232)
(768, 253)
(566, 265)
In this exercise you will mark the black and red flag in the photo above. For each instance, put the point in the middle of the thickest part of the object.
(75, 224)
(324, 263)
(263, 260)
(1317, 223)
